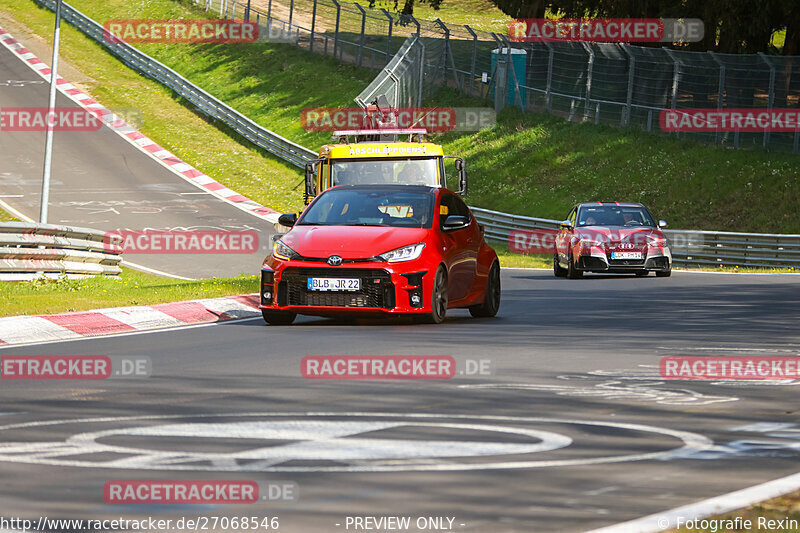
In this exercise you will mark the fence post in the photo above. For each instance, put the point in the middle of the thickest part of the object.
(421, 67)
(548, 96)
(474, 57)
(631, 78)
(416, 23)
(363, 28)
(771, 98)
(291, 14)
(676, 76)
(336, 31)
(389, 38)
(720, 93)
(589, 71)
(449, 54)
(269, 12)
(313, 26)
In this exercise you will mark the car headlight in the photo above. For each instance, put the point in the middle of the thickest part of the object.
(282, 252)
(406, 253)
(656, 241)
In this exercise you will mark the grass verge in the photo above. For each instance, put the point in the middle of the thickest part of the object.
(129, 288)
(532, 164)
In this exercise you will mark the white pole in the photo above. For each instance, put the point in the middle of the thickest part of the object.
(48, 145)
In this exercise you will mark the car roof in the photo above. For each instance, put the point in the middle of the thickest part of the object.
(615, 204)
(388, 187)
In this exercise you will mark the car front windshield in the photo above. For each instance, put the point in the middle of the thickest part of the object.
(408, 171)
(613, 215)
(371, 207)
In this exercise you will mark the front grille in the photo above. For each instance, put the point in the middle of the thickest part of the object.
(376, 288)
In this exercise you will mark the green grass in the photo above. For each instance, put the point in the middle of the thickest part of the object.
(531, 164)
(129, 288)
(7, 217)
(540, 165)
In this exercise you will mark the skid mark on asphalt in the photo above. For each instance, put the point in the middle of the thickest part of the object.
(642, 384)
(781, 440)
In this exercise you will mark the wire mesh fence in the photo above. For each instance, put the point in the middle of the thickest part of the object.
(618, 84)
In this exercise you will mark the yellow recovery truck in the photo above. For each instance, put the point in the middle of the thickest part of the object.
(370, 158)
(376, 156)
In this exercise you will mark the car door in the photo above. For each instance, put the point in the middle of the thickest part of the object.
(564, 237)
(460, 247)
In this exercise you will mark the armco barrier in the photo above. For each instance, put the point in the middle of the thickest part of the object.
(690, 248)
(29, 251)
(205, 103)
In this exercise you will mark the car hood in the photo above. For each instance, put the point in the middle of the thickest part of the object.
(613, 234)
(350, 242)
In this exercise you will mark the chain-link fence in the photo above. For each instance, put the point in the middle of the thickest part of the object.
(617, 84)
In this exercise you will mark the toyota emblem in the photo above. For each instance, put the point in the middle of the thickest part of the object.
(334, 260)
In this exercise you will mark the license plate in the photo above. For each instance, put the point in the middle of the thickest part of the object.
(334, 284)
(626, 255)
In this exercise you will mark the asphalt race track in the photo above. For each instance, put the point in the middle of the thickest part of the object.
(573, 430)
(101, 181)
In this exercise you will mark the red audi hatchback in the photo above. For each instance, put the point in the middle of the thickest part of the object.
(381, 249)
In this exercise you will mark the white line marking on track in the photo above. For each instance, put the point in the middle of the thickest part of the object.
(712, 506)
(692, 443)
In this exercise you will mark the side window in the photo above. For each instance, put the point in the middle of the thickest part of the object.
(452, 205)
(460, 208)
(446, 208)
(573, 216)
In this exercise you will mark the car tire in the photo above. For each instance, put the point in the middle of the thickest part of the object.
(558, 270)
(438, 299)
(278, 318)
(491, 298)
(664, 273)
(641, 273)
(572, 272)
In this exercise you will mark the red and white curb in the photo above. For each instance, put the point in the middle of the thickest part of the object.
(68, 326)
(130, 134)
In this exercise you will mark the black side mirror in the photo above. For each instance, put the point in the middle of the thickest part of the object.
(454, 222)
(311, 185)
(462, 176)
(287, 219)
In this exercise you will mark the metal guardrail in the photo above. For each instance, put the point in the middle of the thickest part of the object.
(205, 103)
(689, 247)
(29, 251)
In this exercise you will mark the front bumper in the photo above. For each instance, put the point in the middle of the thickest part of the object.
(385, 289)
(656, 258)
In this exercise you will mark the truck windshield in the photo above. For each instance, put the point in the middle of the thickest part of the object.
(408, 171)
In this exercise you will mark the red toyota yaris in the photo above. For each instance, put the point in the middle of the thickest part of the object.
(381, 249)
